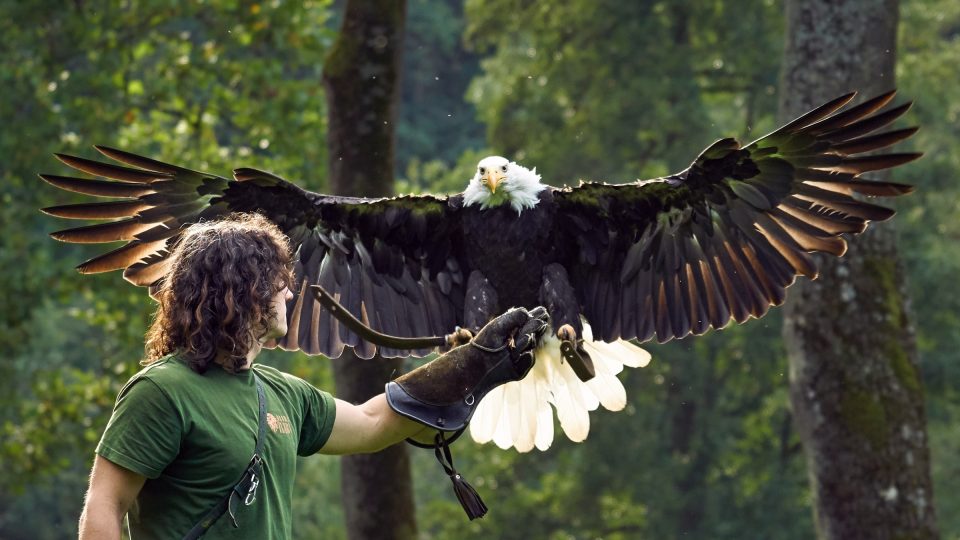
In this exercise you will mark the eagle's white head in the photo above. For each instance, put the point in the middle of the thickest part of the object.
(500, 181)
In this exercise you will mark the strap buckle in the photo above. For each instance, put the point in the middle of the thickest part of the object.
(252, 491)
(254, 470)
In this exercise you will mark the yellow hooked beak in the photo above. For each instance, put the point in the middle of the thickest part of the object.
(492, 179)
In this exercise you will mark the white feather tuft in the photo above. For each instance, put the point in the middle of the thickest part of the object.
(519, 415)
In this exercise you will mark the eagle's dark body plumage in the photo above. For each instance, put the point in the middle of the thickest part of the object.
(512, 250)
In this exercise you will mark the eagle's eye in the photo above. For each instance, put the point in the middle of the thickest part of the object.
(482, 170)
(504, 168)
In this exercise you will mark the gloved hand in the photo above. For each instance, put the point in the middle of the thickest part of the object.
(444, 393)
(518, 331)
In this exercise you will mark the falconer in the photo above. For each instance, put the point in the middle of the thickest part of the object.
(176, 453)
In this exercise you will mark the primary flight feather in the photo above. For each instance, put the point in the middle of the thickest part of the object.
(655, 259)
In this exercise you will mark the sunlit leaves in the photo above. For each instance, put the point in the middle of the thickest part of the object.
(928, 53)
(617, 90)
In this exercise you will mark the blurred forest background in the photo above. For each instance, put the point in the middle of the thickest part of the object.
(580, 89)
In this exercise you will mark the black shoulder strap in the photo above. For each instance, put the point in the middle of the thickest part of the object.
(246, 489)
(262, 416)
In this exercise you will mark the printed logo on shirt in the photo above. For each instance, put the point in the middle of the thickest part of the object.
(279, 423)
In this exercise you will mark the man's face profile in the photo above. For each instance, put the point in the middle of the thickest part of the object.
(277, 327)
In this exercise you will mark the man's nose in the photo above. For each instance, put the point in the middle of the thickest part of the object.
(288, 295)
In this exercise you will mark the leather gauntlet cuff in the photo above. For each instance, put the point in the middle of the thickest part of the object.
(444, 393)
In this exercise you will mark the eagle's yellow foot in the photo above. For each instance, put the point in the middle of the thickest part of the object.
(571, 349)
(567, 333)
(460, 336)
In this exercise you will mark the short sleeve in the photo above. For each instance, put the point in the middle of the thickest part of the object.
(144, 432)
(320, 412)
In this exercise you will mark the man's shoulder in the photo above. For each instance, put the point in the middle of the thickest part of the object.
(167, 374)
(164, 369)
(277, 377)
(289, 386)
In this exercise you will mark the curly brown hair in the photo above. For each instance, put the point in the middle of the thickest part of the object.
(217, 294)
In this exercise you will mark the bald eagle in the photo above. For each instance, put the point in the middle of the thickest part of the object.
(653, 259)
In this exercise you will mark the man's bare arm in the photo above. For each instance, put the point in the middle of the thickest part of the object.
(112, 490)
(370, 427)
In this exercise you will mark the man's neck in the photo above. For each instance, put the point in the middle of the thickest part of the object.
(251, 356)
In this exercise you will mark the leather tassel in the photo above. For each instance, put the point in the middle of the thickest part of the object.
(469, 498)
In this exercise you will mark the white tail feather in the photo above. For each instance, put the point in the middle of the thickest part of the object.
(485, 419)
(528, 422)
(544, 437)
(608, 388)
(502, 436)
(519, 415)
(573, 413)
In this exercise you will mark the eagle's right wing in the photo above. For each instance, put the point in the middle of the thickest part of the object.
(722, 240)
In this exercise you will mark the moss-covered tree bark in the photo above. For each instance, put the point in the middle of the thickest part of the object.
(854, 381)
(361, 78)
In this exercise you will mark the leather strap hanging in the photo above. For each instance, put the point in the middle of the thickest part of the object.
(469, 499)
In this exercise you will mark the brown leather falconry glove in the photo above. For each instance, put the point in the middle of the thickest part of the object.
(444, 393)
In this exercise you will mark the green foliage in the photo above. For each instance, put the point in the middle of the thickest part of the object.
(212, 85)
(435, 176)
(435, 122)
(619, 90)
(928, 53)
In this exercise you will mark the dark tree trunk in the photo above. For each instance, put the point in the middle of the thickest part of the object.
(361, 78)
(854, 381)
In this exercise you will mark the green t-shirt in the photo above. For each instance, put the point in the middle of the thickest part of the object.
(193, 435)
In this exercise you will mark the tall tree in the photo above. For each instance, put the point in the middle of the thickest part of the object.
(361, 78)
(854, 379)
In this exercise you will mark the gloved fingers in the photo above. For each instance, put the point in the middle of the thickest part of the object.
(529, 334)
(524, 362)
(540, 312)
(511, 320)
(524, 343)
(502, 328)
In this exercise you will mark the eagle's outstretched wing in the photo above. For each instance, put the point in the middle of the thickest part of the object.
(393, 262)
(721, 240)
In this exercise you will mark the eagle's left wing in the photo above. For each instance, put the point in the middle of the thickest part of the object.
(392, 262)
(721, 240)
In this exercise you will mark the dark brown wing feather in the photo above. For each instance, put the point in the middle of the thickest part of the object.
(723, 239)
(392, 262)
